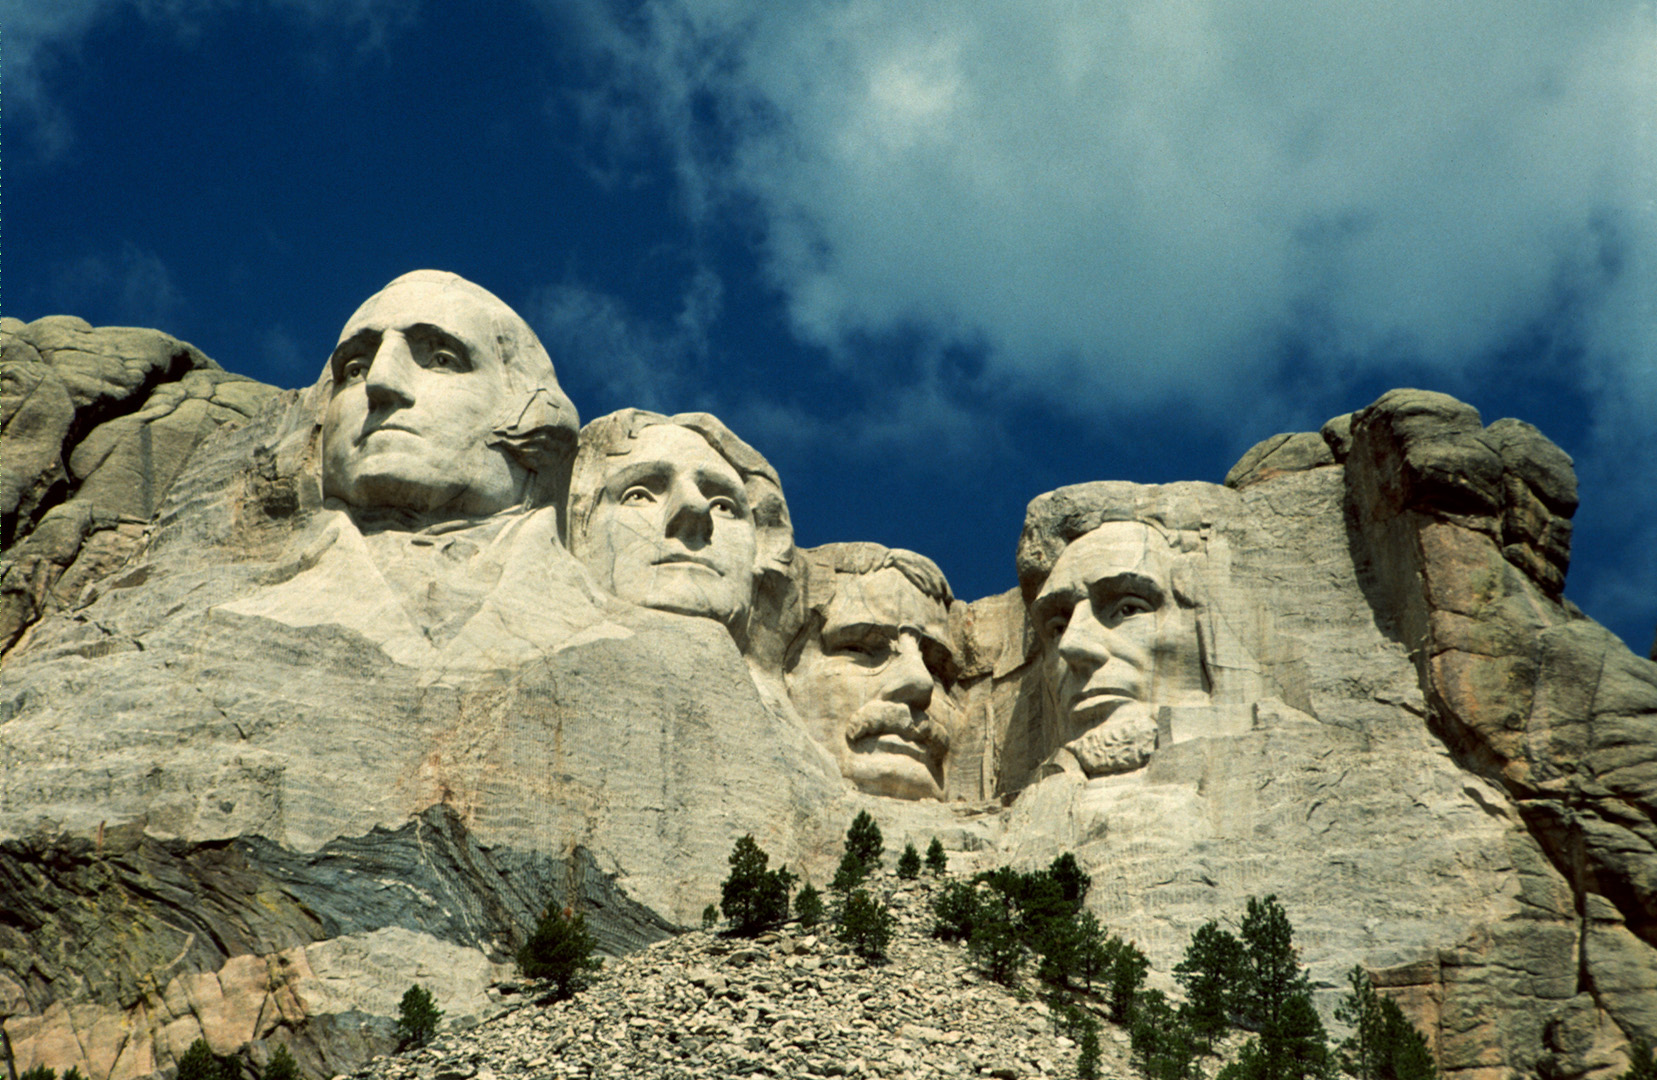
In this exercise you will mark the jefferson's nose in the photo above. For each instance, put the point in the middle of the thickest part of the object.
(390, 378)
(907, 680)
(689, 513)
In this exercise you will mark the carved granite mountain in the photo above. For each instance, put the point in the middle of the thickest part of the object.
(227, 810)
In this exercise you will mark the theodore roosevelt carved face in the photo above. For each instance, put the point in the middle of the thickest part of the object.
(1116, 639)
(442, 403)
(870, 673)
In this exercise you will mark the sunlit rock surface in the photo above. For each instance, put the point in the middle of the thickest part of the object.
(241, 800)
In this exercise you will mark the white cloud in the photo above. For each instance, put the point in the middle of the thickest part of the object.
(131, 287)
(1147, 197)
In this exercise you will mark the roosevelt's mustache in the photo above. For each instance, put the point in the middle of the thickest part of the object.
(895, 718)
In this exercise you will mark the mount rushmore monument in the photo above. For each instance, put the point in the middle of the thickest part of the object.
(311, 694)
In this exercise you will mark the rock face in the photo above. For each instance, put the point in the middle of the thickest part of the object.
(271, 754)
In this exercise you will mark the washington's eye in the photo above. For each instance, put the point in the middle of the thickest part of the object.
(443, 358)
(353, 369)
(637, 495)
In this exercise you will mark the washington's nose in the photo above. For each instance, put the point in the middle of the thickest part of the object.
(1085, 643)
(689, 514)
(390, 372)
(908, 681)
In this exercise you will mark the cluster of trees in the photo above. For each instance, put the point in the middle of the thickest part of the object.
(755, 898)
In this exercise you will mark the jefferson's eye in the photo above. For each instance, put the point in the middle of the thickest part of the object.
(637, 495)
(723, 507)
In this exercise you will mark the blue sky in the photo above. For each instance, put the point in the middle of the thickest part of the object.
(932, 260)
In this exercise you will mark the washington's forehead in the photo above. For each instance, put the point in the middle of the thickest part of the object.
(885, 597)
(1116, 547)
(468, 315)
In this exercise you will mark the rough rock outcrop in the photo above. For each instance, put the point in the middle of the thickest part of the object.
(267, 762)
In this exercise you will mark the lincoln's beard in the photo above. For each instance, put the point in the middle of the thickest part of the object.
(1121, 744)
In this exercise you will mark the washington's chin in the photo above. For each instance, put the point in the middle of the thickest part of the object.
(892, 766)
(413, 482)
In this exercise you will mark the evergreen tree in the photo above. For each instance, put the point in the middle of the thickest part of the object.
(808, 905)
(710, 916)
(754, 897)
(560, 951)
(955, 911)
(74, 1073)
(909, 863)
(863, 840)
(1275, 999)
(39, 1072)
(200, 1063)
(995, 946)
(849, 874)
(1271, 969)
(1383, 1045)
(1642, 1063)
(281, 1066)
(417, 1018)
(1164, 1047)
(1210, 973)
(936, 859)
(1125, 967)
(1087, 1054)
(866, 925)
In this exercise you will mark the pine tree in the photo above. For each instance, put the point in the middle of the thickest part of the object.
(754, 897)
(1642, 1063)
(281, 1066)
(866, 925)
(955, 911)
(1087, 1054)
(710, 916)
(1164, 1047)
(200, 1063)
(909, 863)
(1210, 973)
(808, 905)
(863, 840)
(849, 874)
(417, 1018)
(560, 951)
(937, 861)
(1271, 969)
(1125, 967)
(39, 1072)
(1383, 1045)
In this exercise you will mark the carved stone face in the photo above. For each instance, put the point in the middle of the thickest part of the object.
(419, 387)
(1115, 643)
(870, 685)
(671, 528)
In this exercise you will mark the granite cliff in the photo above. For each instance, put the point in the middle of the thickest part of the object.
(270, 755)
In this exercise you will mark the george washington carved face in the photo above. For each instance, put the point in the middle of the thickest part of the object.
(442, 403)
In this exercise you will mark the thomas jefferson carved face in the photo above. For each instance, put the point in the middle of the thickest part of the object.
(870, 684)
(422, 384)
(1115, 643)
(672, 529)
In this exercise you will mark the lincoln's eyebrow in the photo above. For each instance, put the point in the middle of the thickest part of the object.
(1129, 583)
(1052, 596)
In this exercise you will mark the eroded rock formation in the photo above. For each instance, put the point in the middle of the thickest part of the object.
(291, 719)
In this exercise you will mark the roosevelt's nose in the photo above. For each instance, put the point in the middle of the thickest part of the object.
(906, 679)
(390, 379)
(689, 513)
(1085, 644)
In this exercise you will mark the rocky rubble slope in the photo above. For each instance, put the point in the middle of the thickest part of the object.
(795, 1003)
